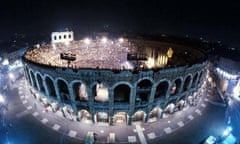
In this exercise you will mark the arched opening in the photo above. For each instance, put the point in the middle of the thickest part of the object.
(68, 112)
(55, 106)
(139, 116)
(63, 90)
(122, 93)
(50, 87)
(186, 83)
(161, 90)
(120, 118)
(102, 117)
(100, 93)
(27, 75)
(34, 84)
(200, 77)
(190, 100)
(155, 114)
(180, 104)
(80, 92)
(176, 87)
(143, 91)
(84, 116)
(170, 108)
(194, 80)
(40, 83)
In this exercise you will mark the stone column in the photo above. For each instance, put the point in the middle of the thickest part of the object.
(46, 88)
(132, 99)
(129, 120)
(37, 83)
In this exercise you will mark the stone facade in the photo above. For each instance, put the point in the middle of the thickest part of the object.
(149, 93)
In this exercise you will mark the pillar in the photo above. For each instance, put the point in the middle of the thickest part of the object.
(46, 88)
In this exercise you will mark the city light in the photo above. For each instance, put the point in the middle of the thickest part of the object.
(104, 40)
(120, 40)
(226, 74)
(1, 99)
(150, 62)
(236, 90)
(227, 131)
(11, 76)
(87, 41)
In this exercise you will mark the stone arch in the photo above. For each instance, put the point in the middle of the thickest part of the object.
(68, 112)
(176, 86)
(187, 82)
(79, 91)
(143, 91)
(120, 118)
(194, 81)
(40, 82)
(100, 92)
(63, 89)
(139, 116)
(162, 89)
(122, 93)
(190, 100)
(169, 108)
(181, 104)
(50, 86)
(102, 117)
(155, 113)
(84, 116)
(200, 77)
(34, 83)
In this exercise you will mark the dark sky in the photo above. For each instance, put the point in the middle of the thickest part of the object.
(215, 20)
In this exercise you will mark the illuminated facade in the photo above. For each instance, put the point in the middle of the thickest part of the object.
(106, 87)
(228, 72)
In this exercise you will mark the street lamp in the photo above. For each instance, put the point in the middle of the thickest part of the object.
(87, 41)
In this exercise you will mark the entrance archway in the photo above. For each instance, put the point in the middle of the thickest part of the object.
(100, 92)
(80, 92)
(139, 116)
(120, 118)
(155, 114)
(84, 116)
(102, 117)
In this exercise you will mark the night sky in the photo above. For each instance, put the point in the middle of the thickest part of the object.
(215, 20)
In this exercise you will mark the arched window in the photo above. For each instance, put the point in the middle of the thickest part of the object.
(50, 87)
(143, 91)
(161, 90)
(63, 90)
(176, 87)
(100, 92)
(122, 93)
(194, 80)
(40, 83)
(80, 92)
(186, 83)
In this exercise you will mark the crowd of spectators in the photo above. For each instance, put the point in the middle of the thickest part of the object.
(107, 55)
